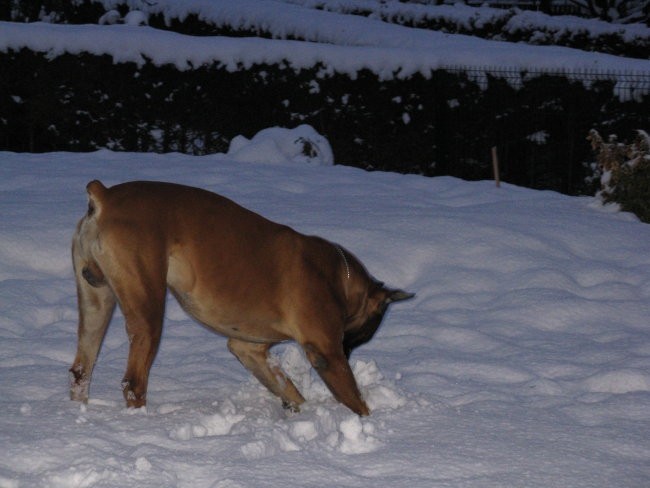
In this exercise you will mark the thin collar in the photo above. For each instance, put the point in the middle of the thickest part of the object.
(345, 260)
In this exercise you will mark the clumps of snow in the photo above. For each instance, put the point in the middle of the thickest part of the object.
(380, 394)
(110, 18)
(303, 430)
(322, 423)
(324, 429)
(208, 426)
(277, 145)
(357, 438)
(134, 17)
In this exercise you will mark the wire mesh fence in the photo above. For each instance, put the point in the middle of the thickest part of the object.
(538, 120)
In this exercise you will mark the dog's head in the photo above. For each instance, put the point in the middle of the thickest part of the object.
(368, 321)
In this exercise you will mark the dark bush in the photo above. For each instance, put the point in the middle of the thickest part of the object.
(442, 124)
(623, 171)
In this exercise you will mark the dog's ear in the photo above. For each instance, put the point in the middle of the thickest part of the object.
(378, 301)
(398, 296)
(389, 295)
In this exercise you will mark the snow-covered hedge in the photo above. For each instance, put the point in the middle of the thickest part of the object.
(531, 27)
(279, 145)
(303, 20)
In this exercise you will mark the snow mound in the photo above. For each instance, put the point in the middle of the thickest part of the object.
(277, 145)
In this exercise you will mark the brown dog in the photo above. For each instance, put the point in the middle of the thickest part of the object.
(257, 282)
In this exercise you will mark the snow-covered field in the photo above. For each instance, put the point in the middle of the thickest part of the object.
(523, 361)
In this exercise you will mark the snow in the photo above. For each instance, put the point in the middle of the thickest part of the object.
(136, 17)
(568, 25)
(342, 43)
(309, 18)
(111, 17)
(277, 145)
(523, 361)
(465, 16)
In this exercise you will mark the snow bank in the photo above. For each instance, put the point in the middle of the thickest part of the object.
(522, 361)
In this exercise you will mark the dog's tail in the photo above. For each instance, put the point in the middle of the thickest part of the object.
(96, 191)
(90, 271)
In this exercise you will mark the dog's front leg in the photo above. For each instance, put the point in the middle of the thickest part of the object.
(255, 358)
(333, 367)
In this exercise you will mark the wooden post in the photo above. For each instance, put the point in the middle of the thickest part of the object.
(495, 167)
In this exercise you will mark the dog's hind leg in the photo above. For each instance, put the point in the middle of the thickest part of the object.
(96, 305)
(255, 358)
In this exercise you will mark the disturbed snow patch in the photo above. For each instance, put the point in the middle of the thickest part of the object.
(322, 424)
(208, 426)
(320, 429)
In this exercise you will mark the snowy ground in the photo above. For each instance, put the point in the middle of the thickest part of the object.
(524, 360)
